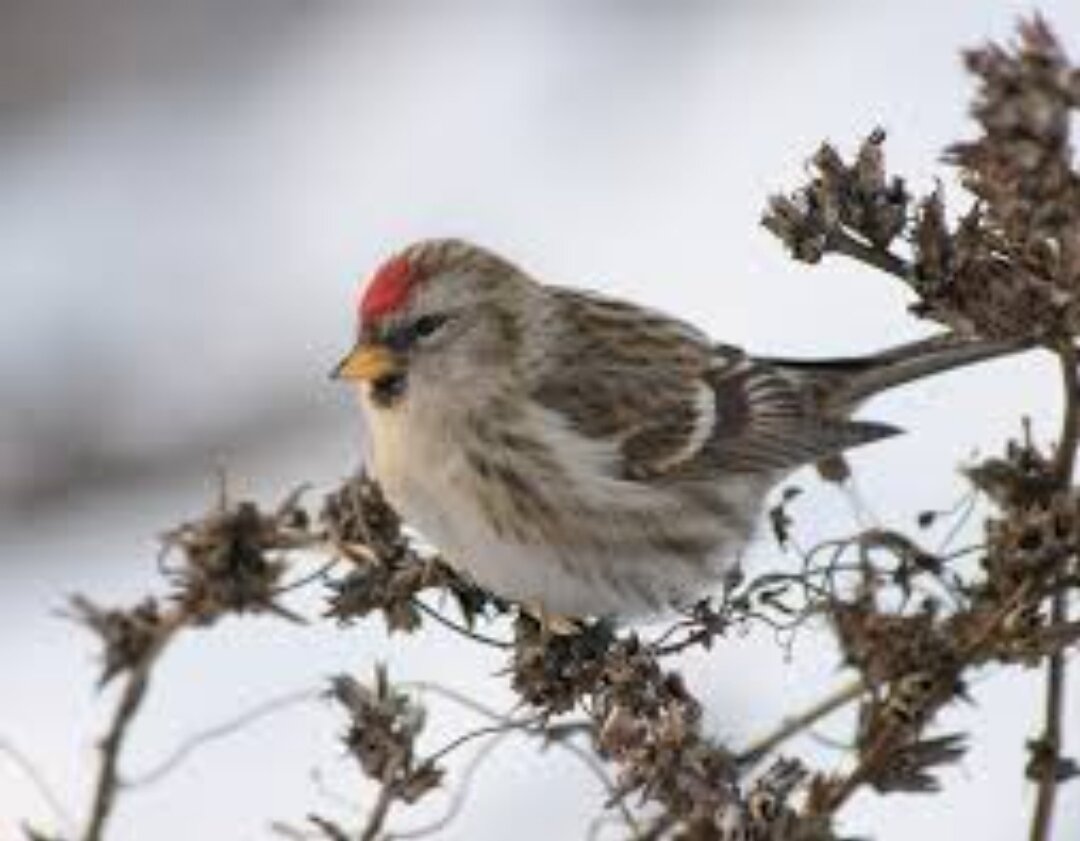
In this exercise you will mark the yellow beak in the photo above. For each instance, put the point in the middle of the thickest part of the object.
(366, 363)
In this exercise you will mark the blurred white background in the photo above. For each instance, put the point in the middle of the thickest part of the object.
(188, 194)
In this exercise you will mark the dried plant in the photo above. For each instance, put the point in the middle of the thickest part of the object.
(912, 625)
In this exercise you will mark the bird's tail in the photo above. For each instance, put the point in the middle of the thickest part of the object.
(840, 385)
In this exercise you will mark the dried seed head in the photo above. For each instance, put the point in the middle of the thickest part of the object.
(127, 636)
(225, 560)
(384, 724)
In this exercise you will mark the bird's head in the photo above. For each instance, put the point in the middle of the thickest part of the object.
(440, 315)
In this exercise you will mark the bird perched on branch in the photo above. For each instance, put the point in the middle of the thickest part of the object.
(585, 455)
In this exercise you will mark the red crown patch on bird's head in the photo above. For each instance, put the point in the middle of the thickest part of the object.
(389, 289)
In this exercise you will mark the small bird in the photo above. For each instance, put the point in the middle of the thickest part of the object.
(583, 455)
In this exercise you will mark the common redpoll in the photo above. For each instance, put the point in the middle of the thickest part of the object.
(583, 455)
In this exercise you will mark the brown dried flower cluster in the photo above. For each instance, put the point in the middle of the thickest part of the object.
(1010, 268)
(388, 572)
(645, 721)
(1013, 265)
(226, 563)
(853, 209)
(127, 636)
(384, 724)
(643, 718)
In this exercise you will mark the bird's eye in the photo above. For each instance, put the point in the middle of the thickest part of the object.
(427, 325)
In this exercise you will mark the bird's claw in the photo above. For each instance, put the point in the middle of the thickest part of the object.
(552, 624)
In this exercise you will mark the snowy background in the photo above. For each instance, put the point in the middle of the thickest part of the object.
(188, 194)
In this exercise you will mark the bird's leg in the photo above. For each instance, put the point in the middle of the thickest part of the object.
(552, 624)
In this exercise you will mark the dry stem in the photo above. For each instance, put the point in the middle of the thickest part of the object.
(218, 731)
(794, 725)
(37, 779)
(1070, 424)
(1049, 743)
(840, 242)
(131, 698)
(378, 814)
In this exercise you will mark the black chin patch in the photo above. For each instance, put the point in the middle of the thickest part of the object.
(388, 390)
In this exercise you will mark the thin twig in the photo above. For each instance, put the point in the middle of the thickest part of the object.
(1049, 743)
(459, 795)
(468, 633)
(794, 725)
(592, 764)
(37, 779)
(329, 829)
(841, 242)
(882, 747)
(387, 794)
(1070, 424)
(488, 730)
(966, 510)
(219, 731)
(459, 698)
(291, 833)
(108, 779)
(304, 580)
(701, 635)
(509, 725)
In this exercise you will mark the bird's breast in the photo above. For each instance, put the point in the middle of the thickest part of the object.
(556, 530)
(418, 465)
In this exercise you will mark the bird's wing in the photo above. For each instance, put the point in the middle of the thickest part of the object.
(675, 405)
(768, 421)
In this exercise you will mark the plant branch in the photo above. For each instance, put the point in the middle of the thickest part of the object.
(219, 731)
(41, 785)
(794, 725)
(131, 699)
(1049, 743)
(377, 817)
(458, 796)
(329, 829)
(458, 628)
(1070, 424)
(840, 241)
(1048, 746)
(895, 731)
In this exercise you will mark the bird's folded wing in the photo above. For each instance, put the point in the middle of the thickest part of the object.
(677, 408)
(765, 422)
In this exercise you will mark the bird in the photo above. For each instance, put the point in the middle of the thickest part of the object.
(584, 455)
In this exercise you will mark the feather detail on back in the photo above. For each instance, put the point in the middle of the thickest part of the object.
(769, 422)
(679, 407)
(638, 381)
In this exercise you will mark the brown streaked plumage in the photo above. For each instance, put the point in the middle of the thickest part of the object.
(585, 454)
